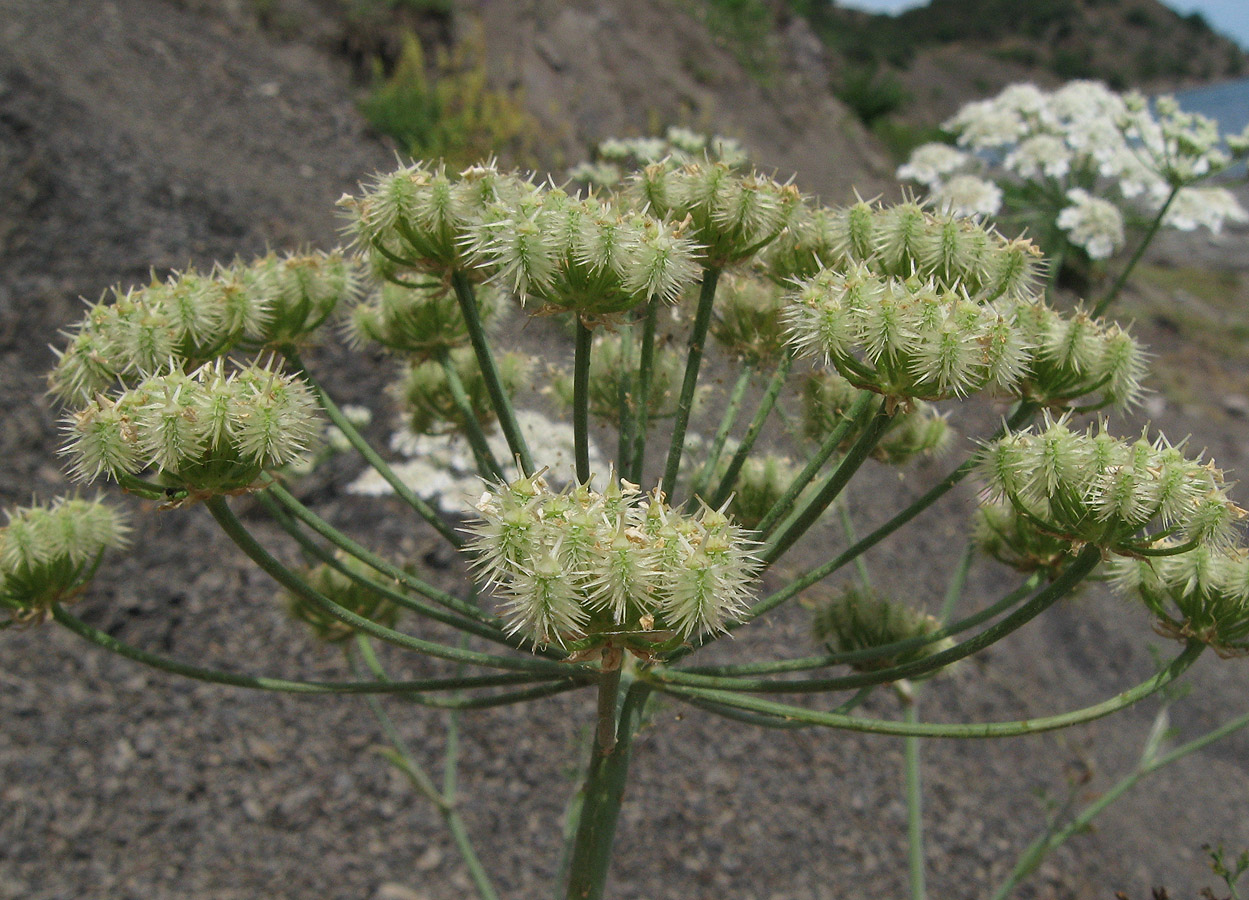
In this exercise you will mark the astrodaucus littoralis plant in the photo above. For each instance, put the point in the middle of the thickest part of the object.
(192, 391)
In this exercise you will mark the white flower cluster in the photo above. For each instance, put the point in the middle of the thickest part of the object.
(608, 566)
(1092, 223)
(441, 470)
(614, 158)
(1082, 137)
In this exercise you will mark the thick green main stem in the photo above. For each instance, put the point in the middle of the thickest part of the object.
(693, 361)
(603, 793)
(490, 372)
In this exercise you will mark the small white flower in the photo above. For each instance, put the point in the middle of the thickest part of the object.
(967, 195)
(1041, 154)
(1210, 208)
(931, 163)
(1092, 223)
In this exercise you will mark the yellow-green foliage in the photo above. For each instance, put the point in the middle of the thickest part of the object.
(448, 110)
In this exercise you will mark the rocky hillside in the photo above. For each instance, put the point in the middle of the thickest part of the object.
(1126, 43)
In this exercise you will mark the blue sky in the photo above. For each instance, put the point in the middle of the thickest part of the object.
(1228, 16)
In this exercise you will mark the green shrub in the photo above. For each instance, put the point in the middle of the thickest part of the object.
(448, 110)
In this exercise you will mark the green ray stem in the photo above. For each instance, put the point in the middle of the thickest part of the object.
(1044, 845)
(646, 368)
(813, 466)
(486, 463)
(1076, 570)
(371, 456)
(243, 538)
(807, 515)
(693, 361)
(1173, 670)
(303, 514)
(469, 626)
(490, 372)
(1023, 412)
(699, 484)
(1146, 240)
(766, 404)
(584, 342)
(282, 685)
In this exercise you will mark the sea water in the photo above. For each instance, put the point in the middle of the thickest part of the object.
(1227, 102)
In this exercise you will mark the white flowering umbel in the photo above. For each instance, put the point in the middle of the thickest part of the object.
(614, 158)
(49, 553)
(584, 569)
(1081, 160)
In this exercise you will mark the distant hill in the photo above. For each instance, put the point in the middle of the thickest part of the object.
(1125, 43)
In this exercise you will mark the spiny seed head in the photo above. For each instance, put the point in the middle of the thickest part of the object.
(1089, 487)
(1198, 595)
(208, 431)
(730, 216)
(49, 553)
(858, 620)
(419, 321)
(599, 566)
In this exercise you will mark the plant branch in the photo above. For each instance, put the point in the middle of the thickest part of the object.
(693, 361)
(490, 372)
(371, 456)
